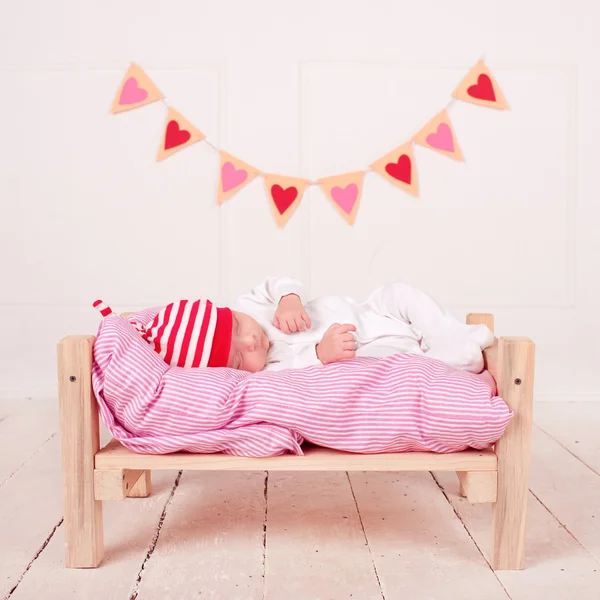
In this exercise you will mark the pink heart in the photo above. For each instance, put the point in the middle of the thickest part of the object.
(232, 177)
(442, 139)
(346, 197)
(132, 93)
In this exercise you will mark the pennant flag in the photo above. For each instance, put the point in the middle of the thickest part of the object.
(479, 87)
(439, 135)
(398, 167)
(179, 133)
(285, 194)
(235, 174)
(135, 90)
(344, 193)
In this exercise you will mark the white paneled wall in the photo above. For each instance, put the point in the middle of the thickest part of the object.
(307, 89)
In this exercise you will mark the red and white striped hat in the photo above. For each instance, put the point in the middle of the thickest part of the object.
(188, 333)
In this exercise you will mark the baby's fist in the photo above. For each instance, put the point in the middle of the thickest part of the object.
(337, 343)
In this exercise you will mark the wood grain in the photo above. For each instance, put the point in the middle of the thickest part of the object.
(80, 437)
(116, 456)
(516, 357)
(478, 487)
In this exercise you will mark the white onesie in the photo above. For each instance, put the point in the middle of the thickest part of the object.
(395, 318)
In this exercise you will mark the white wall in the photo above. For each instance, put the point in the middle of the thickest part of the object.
(308, 88)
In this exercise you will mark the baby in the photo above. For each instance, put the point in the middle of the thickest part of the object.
(273, 327)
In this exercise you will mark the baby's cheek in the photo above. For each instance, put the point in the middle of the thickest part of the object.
(255, 362)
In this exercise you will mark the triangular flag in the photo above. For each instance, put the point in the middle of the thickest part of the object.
(399, 168)
(285, 194)
(179, 133)
(344, 193)
(439, 135)
(480, 87)
(235, 174)
(135, 90)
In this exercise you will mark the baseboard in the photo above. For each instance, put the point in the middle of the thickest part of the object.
(566, 397)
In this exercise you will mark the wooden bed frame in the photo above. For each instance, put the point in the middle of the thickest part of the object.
(92, 475)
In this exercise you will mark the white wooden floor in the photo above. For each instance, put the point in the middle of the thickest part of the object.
(303, 536)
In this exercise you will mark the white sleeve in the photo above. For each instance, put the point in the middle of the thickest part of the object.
(284, 356)
(457, 344)
(272, 289)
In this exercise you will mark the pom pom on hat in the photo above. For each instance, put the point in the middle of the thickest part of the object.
(188, 333)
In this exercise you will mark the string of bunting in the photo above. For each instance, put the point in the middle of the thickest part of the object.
(344, 191)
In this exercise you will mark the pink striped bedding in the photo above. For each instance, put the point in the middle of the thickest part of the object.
(396, 404)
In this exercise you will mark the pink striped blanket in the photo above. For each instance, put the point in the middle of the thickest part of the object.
(368, 405)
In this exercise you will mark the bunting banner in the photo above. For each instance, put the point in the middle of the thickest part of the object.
(343, 191)
(439, 135)
(479, 87)
(398, 167)
(235, 174)
(285, 194)
(136, 89)
(179, 133)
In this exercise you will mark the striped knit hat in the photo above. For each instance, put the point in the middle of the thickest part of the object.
(187, 333)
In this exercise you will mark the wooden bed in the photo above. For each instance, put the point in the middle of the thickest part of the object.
(92, 475)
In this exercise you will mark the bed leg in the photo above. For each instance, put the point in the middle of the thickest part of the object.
(515, 370)
(80, 435)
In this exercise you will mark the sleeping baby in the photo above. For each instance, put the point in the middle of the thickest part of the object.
(273, 327)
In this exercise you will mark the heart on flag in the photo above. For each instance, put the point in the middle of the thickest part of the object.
(136, 89)
(283, 198)
(232, 177)
(483, 89)
(439, 135)
(346, 197)
(132, 93)
(344, 193)
(178, 133)
(401, 169)
(442, 139)
(176, 136)
(284, 194)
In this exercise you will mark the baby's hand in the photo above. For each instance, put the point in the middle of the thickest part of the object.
(337, 343)
(290, 316)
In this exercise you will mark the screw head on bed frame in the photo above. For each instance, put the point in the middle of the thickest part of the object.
(518, 381)
(72, 378)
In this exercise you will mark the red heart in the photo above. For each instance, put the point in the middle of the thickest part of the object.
(484, 90)
(400, 170)
(175, 136)
(283, 198)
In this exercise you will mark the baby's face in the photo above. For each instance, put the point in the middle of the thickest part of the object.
(249, 344)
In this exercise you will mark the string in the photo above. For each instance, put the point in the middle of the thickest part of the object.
(369, 169)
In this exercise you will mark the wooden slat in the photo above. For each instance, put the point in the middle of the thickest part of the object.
(211, 542)
(558, 567)
(129, 530)
(569, 488)
(24, 428)
(30, 507)
(116, 456)
(418, 545)
(315, 544)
